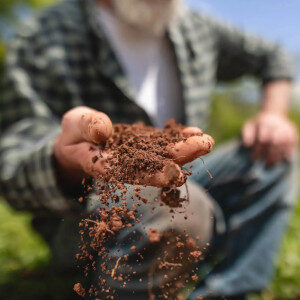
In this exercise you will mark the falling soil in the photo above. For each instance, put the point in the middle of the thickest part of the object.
(136, 155)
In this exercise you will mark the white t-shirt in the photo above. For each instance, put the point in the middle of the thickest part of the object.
(149, 63)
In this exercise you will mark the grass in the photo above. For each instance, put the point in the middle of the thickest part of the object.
(20, 247)
(286, 284)
(23, 251)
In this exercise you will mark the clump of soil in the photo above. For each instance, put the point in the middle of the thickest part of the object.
(132, 155)
(138, 151)
(78, 288)
(171, 197)
(154, 235)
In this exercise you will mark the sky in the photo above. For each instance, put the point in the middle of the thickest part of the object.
(278, 20)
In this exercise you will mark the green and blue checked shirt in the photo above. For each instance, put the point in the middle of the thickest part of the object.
(62, 59)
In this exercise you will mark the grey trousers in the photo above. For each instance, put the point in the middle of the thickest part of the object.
(252, 212)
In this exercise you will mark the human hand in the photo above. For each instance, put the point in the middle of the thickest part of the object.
(83, 128)
(272, 137)
(74, 149)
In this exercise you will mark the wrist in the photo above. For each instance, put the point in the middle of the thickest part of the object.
(273, 112)
(276, 98)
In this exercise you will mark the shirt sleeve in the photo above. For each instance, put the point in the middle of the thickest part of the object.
(28, 128)
(241, 53)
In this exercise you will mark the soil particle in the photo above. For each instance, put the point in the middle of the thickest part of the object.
(136, 153)
(195, 277)
(78, 288)
(154, 235)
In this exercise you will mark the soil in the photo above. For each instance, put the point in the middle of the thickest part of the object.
(136, 152)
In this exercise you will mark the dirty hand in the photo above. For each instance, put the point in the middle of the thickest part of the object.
(83, 128)
(272, 137)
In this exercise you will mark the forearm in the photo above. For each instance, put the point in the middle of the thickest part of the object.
(276, 97)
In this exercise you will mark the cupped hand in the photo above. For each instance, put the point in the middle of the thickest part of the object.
(74, 149)
(83, 128)
(271, 136)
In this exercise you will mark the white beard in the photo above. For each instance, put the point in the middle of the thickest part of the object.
(153, 16)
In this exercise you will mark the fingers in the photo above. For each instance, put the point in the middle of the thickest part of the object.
(281, 146)
(170, 175)
(262, 141)
(248, 134)
(85, 158)
(273, 155)
(85, 124)
(267, 145)
(194, 147)
(197, 144)
(272, 139)
(189, 131)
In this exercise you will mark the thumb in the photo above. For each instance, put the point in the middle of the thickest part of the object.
(85, 124)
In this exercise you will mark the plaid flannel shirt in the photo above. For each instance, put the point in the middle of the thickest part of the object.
(61, 59)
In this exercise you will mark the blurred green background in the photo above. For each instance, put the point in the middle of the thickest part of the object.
(24, 255)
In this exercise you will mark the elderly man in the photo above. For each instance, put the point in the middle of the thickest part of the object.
(147, 60)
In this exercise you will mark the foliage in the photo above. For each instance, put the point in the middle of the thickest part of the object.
(20, 247)
(2, 51)
(286, 284)
(7, 6)
(227, 117)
